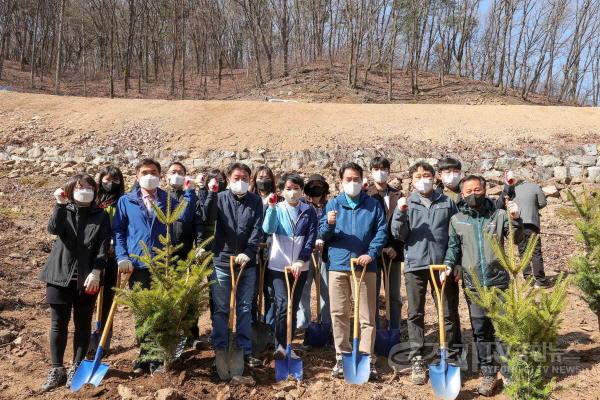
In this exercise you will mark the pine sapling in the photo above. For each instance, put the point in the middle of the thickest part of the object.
(526, 320)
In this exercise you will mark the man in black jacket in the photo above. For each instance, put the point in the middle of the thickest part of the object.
(394, 249)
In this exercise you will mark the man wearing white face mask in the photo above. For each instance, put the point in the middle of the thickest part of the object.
(423, 227)
(450, 174)
(294, 226)
(394, 249)
(238, 234)
(353, 226)
(135, 221)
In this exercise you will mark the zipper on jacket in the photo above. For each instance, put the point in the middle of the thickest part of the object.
(481, 253)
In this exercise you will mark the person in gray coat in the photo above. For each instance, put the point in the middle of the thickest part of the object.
(422, 224)
(530, 199)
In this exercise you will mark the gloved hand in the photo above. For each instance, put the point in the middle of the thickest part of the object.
(296, 268)
(319, 245)
(92, 282)
(513, 209)
(200, 251)
(272, 200)
(125, 266)
(402, 204)
(213, 185)
(60, 196)
(242, 259)
(446, 273)
(189, 183)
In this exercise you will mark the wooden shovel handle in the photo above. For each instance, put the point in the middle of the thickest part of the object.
(232, 295)
(290, 299)
(317, 278)
(439, 294)
(356, 294)
(386, 286)
(111, 313)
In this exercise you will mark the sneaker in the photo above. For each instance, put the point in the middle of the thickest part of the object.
(488, 385)
(156, 367)
(252, 362)
(279, 354)
(70, 374)
(140, 367)
(542, 284)
(294, 355)
(56, 377)
(418, 372)
(373, 374)
(338, 369)
(305, 347)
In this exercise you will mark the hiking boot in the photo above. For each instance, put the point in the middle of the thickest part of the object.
(373, 374)
(542, 284)
(418, 372)
(70, 374)
(488, 385)
(156, 367)
(279, 354)
(338, 369)
(56, 377)
(253, 362)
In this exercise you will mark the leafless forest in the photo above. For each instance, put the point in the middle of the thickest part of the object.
(550, 47)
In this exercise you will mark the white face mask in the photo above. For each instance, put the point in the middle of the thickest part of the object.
(352, 189)
(424, 185)
(176, 180)
(451, 179)
(292, 195)
(83, 196)
(149, 182)
(239, 188)
(380, 176)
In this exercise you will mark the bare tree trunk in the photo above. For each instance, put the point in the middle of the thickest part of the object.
(33, 43)
(58, 51)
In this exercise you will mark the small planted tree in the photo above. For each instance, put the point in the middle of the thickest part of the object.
(177, 295)
(526, 321)
(587, 266)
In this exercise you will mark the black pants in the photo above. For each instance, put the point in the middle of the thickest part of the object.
(277, 280)
(82, 306)
(416, 289)
(489, 349)
(536, 266)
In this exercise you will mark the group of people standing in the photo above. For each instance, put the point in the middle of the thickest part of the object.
(282, 224)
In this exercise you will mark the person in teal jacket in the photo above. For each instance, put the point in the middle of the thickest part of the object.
(353, 226)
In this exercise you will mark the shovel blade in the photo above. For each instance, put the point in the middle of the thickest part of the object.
(445, 380)
(229, 362)
(385, 339)
(289, 367)
(317, 334)
(357, 365)
(262, 337)
(89, 372)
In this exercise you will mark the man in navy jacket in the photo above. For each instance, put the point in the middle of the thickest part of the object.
(135, 221)
(237, 233)
(353, 226)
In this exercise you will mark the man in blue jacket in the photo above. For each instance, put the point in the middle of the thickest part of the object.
(422, 224)
(237, 233)
(353, 226)
(135, 221)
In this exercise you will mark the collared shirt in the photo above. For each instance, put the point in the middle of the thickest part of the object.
(148, 198)
(352, 202)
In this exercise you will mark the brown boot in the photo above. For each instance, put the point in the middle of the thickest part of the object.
(488, 385)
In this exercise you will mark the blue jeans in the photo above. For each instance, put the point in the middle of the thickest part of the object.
(303, 316)
(277, 280)
(221, 289)
(395, 297)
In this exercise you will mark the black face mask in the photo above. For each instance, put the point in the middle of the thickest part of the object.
(316, 191)
(475, 200)
(265, 185)
(111, 187)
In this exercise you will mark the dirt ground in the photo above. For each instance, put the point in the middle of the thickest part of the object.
(25, 205)
(236, 125)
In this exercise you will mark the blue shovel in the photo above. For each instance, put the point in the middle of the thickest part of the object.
(318, 334)
(289, 366)
(444, 377)
(93, 371)
(357, 365)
